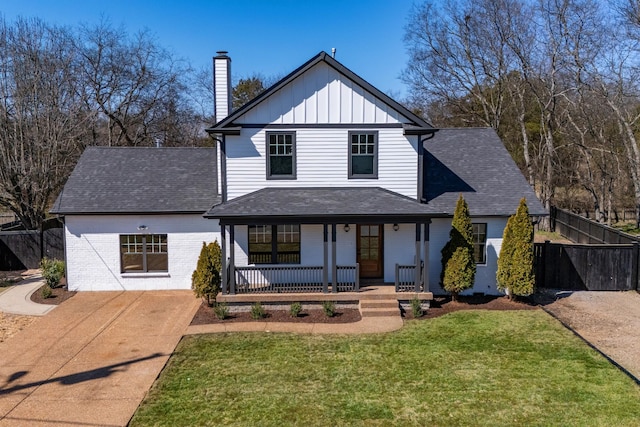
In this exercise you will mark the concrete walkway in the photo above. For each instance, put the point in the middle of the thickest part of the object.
(17, 299)
(92, 360)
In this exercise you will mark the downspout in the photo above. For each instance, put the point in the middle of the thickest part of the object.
(421, 166)
(221, 141)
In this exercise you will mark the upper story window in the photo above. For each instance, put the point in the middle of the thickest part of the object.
(480, 243)
(142, 253)
(281, 155)
(363, 154)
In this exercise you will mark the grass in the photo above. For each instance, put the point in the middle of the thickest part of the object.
(466, 368)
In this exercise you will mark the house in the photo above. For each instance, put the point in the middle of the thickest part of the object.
(322, 183)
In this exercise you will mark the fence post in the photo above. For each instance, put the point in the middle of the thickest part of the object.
(634, 267)
(545, 257)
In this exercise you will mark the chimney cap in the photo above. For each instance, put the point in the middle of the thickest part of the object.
(222, 53)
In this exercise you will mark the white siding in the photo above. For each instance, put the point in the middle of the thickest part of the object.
(321, 96)
(399, 248)
(485, 274)
(93, 250)
(322, 161)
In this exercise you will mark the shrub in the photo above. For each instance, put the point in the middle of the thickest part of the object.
(458, 263)
(416, 307)
(515, 264)
(257, 311)
(206, 279)
(46, 291)
(221, 310)
(52, 271)
(295, 309)
(329, 308)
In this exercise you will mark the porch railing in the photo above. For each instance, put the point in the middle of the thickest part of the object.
(291, 279)
(348, 278)
(406, 278)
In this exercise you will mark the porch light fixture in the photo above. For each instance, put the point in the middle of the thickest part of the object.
(346, 228)
(396, 227)
(142, 227)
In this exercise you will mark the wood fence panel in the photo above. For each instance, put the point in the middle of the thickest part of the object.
(586, 267)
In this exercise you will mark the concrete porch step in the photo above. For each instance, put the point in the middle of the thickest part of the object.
(379, 308)
(382, 303)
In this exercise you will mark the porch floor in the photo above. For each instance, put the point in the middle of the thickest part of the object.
(370, 292)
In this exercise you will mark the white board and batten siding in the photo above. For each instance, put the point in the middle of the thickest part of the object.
(93, 250)
(485, 273)
(321, 96)
(324, 97)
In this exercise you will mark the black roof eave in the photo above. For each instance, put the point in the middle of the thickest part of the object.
(71, 212)
(322, 219)
(320, 57)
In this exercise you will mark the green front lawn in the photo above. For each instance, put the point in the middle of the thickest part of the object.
(466, 368)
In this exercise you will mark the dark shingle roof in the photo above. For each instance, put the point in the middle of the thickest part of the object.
(140, 180)
(474, 162)
(312, 204)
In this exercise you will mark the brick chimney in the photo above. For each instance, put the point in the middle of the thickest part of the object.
(222, 84)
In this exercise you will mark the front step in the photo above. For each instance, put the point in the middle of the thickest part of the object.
(379, 308)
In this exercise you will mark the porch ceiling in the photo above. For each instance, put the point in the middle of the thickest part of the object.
(321, 206)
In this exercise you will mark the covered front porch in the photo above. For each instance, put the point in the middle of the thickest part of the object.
(322, 241)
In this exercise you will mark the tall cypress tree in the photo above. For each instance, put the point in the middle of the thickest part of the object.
(515, 264)
(458, 263)
(206, 279)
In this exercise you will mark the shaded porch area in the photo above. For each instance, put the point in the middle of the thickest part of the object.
(322, 241)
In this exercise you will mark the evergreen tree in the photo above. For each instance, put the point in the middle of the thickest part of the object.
(458, 263)
(515, 264)
(206, 279)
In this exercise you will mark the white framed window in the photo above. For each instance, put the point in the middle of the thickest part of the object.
(363, 155)
(142, 253)
(480, 242)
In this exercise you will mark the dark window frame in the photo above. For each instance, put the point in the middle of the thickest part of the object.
(373, 175)
(293, 174)
(254, 256)
(481, 244)
(162, 242)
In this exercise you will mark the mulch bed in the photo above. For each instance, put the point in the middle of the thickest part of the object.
(205, 315)
(440, 305)
(58, 296)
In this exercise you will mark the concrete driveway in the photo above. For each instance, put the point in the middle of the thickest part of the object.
(92, 360)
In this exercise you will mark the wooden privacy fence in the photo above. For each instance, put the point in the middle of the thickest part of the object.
(583, 230)
(24, 249)
(587, 267)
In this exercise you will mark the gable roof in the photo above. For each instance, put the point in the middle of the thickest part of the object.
(228, 122)
(312, 205)
(474, 162)
(120, 180)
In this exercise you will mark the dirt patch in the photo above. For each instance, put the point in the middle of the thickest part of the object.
(608, 320)
(205, 315)
(10, 278)
(58, 296)
(441, 305)
(11, 324)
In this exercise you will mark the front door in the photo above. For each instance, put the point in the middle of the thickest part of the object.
(370, 250)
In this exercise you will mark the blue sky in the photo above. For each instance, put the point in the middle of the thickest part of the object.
(268, 37)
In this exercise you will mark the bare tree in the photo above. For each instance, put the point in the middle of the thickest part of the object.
(42, 119)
